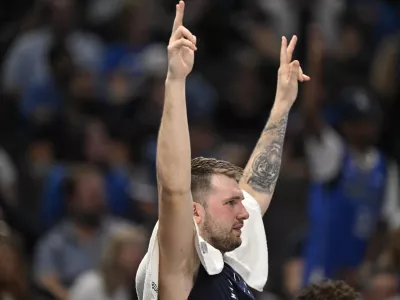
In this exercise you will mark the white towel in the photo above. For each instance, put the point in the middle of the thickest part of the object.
(250, 260)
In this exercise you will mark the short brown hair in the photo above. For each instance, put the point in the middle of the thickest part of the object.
(201, 171)
(328, 290)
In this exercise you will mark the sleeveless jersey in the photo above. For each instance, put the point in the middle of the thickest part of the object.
(226, 285)
(343, 216)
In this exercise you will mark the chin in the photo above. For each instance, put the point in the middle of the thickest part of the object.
(239, 242)
(236, 242)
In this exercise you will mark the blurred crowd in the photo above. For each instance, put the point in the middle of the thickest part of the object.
(80, 104)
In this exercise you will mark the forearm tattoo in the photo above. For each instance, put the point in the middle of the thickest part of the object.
(267, 157)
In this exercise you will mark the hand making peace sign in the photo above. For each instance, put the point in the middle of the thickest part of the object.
(289, 74)
(182, 45)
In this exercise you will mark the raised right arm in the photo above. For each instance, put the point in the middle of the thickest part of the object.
(176, 227)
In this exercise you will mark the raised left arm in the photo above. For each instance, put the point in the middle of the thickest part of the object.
(262, 170)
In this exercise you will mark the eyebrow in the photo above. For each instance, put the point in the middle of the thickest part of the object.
(235, 198)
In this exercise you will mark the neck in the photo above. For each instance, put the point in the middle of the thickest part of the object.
(122, 279)
(85, 232)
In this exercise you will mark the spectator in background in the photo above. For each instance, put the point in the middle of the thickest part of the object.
(13, 271)
(74, 245)
(97, 150)
(25, 62)
(114, 280)
(42, 103)
(329, 290)
(242, 109)
(384, 78)
(381, 286)
(123, 64)
(354, 186)
(265, 21)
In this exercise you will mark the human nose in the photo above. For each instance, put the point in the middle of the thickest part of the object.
(243, 214)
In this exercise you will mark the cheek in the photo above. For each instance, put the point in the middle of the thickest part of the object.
(218, 212)
(223, 215)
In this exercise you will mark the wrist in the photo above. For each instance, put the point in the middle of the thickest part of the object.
(280, 108)
(175, 79)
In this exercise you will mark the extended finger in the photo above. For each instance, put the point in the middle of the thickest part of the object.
(300, 76)
(291, 47)
(182, 43)
(284, 60)
(180, 9)
(183, 32)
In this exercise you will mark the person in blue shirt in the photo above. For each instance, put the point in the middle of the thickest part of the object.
(42, 102)
(354, 186)
(118, 184)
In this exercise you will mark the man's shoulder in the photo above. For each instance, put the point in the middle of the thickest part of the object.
(56, 236)
(32, 39)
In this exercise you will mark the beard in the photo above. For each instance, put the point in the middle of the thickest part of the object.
(88, 219)
(219, 237)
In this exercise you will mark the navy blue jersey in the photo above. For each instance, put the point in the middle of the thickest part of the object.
(223, 286)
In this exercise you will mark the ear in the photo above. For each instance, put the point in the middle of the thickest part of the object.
(198, 212)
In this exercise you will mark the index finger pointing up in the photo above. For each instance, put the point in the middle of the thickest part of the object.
(284, 57)
(180, 9)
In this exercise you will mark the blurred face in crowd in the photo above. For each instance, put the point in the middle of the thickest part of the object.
(130, 257)
(221, 219)
(382, 286)
(362, 133)
(88, 200)
(97, 143)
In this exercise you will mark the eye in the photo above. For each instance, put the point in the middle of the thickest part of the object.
(231, 202)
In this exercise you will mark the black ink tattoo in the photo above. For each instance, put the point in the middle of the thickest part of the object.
(267, 162)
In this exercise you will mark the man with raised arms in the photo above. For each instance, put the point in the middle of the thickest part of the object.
(209, 242)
